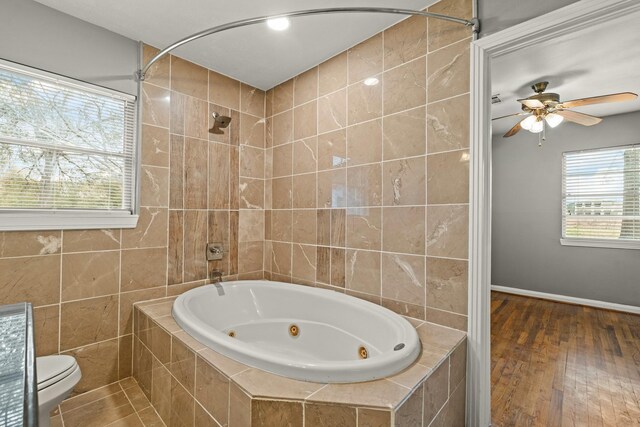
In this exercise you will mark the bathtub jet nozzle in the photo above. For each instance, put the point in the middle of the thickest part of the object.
(294, 330)
(362, 351)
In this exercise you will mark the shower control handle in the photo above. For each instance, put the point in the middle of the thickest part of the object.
(215, 251)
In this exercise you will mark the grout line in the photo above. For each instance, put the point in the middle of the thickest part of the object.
(350, 208)
(119, 293)
(308, 397)
(95, 400)
(239, 110)
(229, 376)
(349, 84)
(451, 258)
(426, 187)
(468, 39)
(207, 179)
(135, 411)
(67, 350)
(106, 250)
(315, 273)
(437, 101)
(444, 405)
(426, 155)
(61, 417)
(381, 177)
(346, 155)
(367, 250)
(60, 300)
(183, 202)
(96, 297)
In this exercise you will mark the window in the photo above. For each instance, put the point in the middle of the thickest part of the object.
(67, 153)
(601, 197)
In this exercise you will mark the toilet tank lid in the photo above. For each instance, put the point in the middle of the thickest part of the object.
(49, 367)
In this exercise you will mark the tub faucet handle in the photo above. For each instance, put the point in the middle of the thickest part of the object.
(215, 251)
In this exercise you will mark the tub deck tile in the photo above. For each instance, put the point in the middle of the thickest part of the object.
(189, 341)
(439, 337)
(168, 323)
(227, 366)
(260, 383)
(411, 376)
(432, 358)
(378, 393)
(163, 308)
(156, 301)
(415, 322)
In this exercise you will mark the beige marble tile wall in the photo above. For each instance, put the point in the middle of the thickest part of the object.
(369, 183)
(195, 187)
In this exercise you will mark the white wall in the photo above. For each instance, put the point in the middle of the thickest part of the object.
(526, 228)
(496, 15)
(35, 35)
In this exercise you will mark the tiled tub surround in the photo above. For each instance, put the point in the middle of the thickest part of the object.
(365, 190)
(369, 185)
(189, 384)
(194, 188)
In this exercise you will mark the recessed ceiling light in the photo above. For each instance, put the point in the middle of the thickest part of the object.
(278, 24)
(371, 81)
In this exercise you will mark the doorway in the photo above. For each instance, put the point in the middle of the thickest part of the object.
(563, 22)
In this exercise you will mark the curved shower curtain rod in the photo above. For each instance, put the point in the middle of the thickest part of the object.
(141, 74)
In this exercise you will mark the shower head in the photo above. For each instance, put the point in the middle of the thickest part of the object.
(219, 123)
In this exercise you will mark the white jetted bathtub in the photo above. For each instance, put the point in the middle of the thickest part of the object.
(299, 332)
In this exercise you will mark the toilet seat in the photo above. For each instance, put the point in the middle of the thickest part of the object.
(57, 376)
(53, 369)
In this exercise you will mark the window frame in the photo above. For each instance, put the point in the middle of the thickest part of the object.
(586, 241)
(70, 218)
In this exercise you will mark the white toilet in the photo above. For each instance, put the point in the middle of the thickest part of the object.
(57, 375)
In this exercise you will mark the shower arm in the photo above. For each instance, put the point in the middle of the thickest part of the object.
(141, 74)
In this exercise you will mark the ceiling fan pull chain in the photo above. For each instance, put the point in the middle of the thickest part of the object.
(542, 136)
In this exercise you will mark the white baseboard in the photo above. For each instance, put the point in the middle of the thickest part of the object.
(570, 300)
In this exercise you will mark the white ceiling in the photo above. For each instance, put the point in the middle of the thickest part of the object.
(596, 61)
(255, 54)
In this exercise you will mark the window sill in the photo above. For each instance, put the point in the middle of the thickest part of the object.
(65, 220)
(602, 243)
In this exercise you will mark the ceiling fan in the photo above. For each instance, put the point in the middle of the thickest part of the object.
(545, 108)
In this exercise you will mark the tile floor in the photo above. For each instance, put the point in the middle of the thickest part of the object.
(121, 404)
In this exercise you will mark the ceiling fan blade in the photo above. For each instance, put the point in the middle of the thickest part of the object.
(614, 97)
(534, 104)
(579, 118)
(510, 115)
(513, 130)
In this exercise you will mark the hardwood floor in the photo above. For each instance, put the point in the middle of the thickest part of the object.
(556, 364)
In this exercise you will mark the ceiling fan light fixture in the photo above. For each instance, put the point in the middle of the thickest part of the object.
(537, 126)
(528, 122)
(553, 119)
(545, 108)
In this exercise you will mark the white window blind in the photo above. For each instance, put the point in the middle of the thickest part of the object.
(64, 145)
(601, 194)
